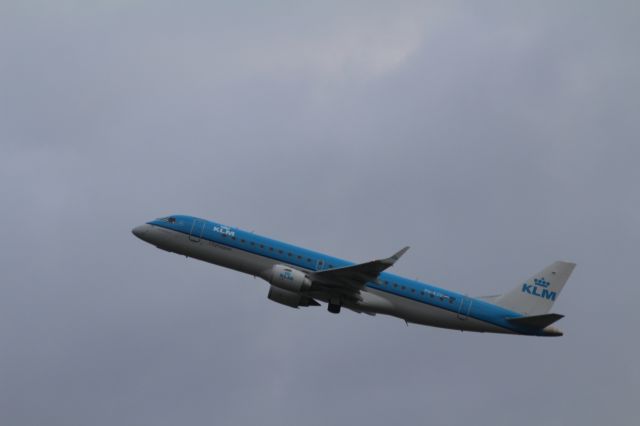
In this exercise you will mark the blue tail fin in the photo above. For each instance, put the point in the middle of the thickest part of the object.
(536, 295)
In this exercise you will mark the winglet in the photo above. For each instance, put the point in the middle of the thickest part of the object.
(393, 259)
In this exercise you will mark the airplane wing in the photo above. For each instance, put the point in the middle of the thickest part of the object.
(354, 277)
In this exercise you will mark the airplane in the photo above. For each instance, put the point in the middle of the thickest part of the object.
(299, 277)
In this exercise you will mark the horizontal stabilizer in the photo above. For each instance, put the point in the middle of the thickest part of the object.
(536, 321)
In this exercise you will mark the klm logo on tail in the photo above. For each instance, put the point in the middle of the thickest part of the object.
(540, 289)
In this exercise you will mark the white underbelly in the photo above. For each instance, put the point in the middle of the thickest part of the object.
(375, 301)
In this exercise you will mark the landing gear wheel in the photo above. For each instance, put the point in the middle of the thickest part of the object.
(334, 308)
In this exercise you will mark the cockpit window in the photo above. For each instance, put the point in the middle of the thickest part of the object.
(169, 219)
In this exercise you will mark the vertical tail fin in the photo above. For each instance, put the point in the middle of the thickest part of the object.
(536, 295)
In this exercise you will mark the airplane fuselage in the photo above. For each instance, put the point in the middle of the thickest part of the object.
(410, 300)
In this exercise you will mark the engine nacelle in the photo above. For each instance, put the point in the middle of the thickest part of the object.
(289, 279)
(289, 298)
(284, 297)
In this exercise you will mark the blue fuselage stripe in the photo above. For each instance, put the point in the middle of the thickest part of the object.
(309, 260)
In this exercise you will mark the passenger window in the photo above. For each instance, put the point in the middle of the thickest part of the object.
(242, 240)
(289, 254)
(261, 246)
(395, 285)
(308, 259)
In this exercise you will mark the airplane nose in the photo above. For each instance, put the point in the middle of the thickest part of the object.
(140, 230)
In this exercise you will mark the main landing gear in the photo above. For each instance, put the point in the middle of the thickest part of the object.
(334, 308)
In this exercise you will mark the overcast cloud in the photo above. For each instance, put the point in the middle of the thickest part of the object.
(492, 137)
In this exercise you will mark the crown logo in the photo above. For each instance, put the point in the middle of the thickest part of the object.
(541, 282)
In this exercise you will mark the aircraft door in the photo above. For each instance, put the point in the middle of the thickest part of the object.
(197, 228)
(465, 308)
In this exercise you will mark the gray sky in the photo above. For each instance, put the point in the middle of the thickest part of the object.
(493, 138)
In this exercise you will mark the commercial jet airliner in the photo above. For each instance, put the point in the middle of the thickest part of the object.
(299, 277)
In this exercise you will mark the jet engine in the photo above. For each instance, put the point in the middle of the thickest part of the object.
(289, 279)
(289, 298)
